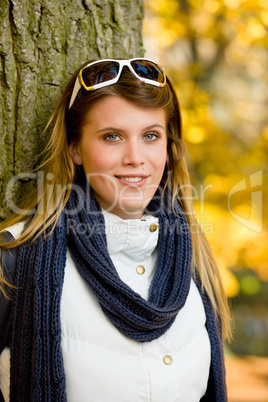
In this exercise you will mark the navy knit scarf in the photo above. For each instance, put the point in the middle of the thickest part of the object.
(37, 371)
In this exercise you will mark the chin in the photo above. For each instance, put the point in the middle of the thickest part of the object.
(129, 211)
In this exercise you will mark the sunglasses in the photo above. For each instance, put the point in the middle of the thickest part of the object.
(102, 73)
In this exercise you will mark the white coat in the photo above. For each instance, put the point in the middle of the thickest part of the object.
(100, 363)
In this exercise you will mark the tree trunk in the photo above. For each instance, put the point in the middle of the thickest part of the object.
(42, 42)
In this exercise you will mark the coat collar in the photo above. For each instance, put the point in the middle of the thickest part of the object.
(131, 236)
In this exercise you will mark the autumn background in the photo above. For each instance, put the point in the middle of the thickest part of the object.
(215, 52)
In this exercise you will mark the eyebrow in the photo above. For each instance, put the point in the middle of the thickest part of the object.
(119, 129)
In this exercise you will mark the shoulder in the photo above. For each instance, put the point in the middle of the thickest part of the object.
(14, 231)
(8, 265)
(8, 256)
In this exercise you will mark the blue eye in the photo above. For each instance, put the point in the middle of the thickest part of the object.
(151, 136)
(111, 137)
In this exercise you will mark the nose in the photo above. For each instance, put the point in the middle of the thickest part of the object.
(133, 154)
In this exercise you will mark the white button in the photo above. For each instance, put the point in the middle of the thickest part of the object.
(168, 360)
(140, 269)
(153, 227)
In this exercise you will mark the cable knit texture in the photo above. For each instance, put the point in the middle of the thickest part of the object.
(37, 372)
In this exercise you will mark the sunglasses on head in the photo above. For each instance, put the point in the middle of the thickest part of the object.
(102, 73)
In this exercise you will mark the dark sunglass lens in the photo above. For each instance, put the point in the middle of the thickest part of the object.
(147, 69)
(100, 72)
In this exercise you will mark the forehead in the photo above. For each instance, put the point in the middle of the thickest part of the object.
(119, 110)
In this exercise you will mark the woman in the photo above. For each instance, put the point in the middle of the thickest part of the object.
(116, 294)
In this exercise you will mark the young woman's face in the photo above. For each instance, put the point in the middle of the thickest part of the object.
(123, 150)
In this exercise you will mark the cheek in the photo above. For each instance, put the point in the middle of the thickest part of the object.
(97, 161)
(160, 160)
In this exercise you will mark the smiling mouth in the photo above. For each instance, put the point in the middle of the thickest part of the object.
(131, 179)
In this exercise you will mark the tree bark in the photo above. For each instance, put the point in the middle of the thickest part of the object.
(42, 42)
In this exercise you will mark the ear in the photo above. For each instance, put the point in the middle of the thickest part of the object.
(75, 154)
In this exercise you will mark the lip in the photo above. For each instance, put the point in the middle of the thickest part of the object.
(133, 184)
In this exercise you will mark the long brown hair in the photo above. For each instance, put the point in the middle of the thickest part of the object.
(58, 172)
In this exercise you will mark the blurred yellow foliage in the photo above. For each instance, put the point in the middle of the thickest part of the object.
(264, 17)
(212, 6)
(196, 135)
(255, 29)
(230, 282)
(216, 53)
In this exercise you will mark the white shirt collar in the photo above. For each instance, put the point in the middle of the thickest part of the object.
(131, 236)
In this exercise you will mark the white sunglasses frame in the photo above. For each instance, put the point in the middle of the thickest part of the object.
(80, 82)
